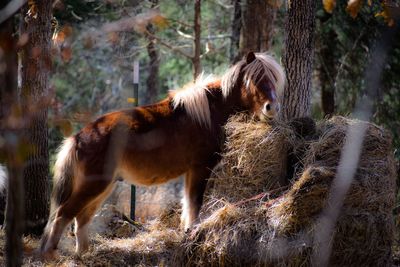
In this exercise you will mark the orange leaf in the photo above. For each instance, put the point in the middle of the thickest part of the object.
(66, 54)
(160, 21)
(113, 37)
(353, 7)
(61, 36)
(386, 15)
(329, 5)
(65, 126)
(88, 42)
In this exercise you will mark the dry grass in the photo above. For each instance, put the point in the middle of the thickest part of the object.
(155, 244)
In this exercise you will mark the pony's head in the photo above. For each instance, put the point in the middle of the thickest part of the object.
(258, 81)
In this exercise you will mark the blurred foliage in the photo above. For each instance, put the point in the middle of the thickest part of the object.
(355, 40)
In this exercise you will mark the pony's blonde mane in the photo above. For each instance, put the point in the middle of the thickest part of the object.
(193, 97)
(264, 65)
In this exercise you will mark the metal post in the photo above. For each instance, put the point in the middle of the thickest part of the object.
(135, 102)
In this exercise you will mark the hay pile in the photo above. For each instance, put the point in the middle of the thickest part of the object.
(254, 160)
(279, 231)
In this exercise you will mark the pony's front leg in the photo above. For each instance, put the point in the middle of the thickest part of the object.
(195, 184)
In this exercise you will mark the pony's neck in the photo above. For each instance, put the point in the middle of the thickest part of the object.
(221, 107)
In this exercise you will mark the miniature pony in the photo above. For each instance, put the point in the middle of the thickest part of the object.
(149, 145)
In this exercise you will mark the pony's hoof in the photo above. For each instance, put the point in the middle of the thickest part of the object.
(51, 255)
(80, 253)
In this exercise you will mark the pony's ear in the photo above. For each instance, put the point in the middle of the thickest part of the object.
(250, 57)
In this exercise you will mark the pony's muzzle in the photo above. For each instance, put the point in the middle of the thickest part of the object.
(270, 109)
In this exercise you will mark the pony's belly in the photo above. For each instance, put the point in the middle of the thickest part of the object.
(149, 175)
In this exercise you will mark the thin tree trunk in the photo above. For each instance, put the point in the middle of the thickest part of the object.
(197, 32)
(298, 58)
(236, 27)
(15, 208)
(257, 26)
(327, 71)
(36, 65)
(154, 64)
(8, 102)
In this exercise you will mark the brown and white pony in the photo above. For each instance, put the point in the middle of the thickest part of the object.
(149, 145)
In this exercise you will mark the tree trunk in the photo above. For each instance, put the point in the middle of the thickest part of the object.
(8, 102)
(327, 70)
(36, 65)
(154, 64)
(236, 26)
(197, 34)
(257, 26)
(15, 209)
(298, 58)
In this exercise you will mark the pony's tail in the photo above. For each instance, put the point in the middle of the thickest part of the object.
(64, 172)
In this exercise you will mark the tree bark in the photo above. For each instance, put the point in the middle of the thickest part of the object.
(257, 26)
(298, 58)
(154, 65)
(8, 102)
(197, 34)
(36, 65)
(236, 27)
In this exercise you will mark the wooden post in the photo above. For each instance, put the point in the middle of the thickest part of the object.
(135, 101)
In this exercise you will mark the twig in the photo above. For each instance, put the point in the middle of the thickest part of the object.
(169, 46)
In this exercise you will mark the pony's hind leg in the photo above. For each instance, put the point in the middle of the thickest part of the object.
(51, 238)
(83, 219)
(90, 188)
(195, 185)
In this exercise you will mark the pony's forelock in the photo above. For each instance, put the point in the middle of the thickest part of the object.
(263, 66)
(193, 97)
(267, 66)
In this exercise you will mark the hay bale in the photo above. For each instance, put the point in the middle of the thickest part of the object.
(280, 231)
(254, 159)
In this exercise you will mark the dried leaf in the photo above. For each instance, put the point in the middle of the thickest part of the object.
(113, 37)
(62, 35)
(353, 7)
(88, 42)
(32, 11)
(385, 14)
(329, 5)
(66, 54)
(160, 21)
(65, 126)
